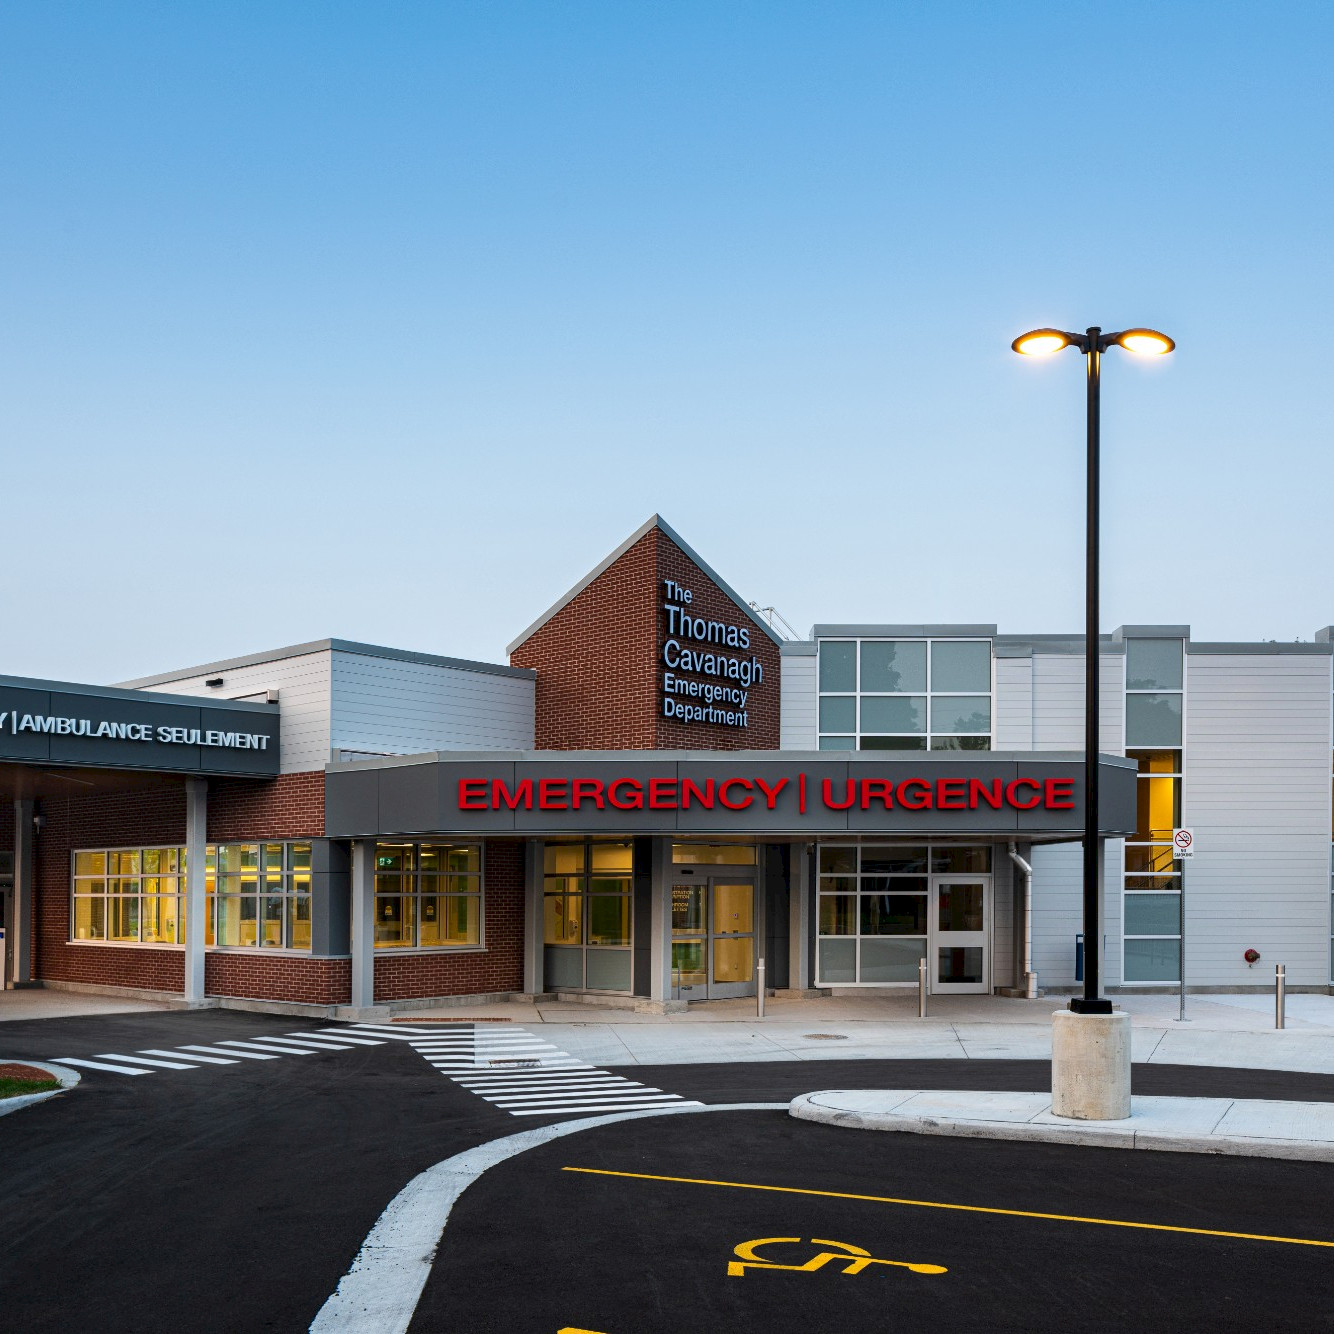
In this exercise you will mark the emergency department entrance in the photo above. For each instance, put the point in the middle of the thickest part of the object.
(713, 936)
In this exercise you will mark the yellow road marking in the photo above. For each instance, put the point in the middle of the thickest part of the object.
(961, 1208)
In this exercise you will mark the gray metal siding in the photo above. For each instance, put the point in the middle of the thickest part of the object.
(384, 706)
(303, 685)
(1257, 794)
(799, 703)
(1058, 875)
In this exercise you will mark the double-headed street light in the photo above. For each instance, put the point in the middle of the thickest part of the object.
(1092, 343)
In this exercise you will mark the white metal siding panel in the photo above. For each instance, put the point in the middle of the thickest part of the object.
(1257, 794)
(1058, 702)
(799, 703)
(387, 706)
(1014, 704)
(302, 684)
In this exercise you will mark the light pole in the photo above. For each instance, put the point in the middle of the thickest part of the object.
(1092, 343)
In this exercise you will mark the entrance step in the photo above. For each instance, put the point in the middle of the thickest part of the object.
(635, 1004)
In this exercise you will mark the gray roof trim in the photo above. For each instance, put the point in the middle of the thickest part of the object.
(1021, 646)
(729, 757)
(139, 696)
(1324, 634)
(652, 522)
(1151, 632)
(799, 648)
(860, 631)
(1262, 649)
(327, 646)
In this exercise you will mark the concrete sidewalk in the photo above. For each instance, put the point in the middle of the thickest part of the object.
(1241, 1127)
(1223, 1030)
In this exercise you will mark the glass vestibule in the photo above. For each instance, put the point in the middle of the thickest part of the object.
(714, 920)
(884, 907)
(588, 914)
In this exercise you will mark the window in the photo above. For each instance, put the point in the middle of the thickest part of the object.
(713, 854)
(905, 694)
(587, 907)
(872, 914)
(428, 895)
(258, 895)
(130, 896)
(1152, 900)
(1155, 697)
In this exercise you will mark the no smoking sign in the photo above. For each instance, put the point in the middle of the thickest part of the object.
(1183, 842)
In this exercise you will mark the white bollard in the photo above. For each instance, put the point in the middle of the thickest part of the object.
(759, 992)
(1090, 1066)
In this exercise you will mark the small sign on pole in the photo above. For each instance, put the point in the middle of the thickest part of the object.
(1183, 842)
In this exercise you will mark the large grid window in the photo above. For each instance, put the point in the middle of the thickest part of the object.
(428, 895)
(905, 694)
(258, 895)
(587, 912)
(129, 896)
(873, 914)
(1155, 697)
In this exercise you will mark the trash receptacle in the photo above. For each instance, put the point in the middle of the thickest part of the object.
(1079, 956)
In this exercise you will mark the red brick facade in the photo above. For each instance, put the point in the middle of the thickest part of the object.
(291, 806)
(600, 667)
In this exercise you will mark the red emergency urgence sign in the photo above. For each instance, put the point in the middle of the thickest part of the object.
(739, 794)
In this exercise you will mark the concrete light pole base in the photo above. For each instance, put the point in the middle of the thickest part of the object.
(1090, 1065)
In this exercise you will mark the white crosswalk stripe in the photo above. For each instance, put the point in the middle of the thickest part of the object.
(100, 1065)
(226, 1051)
(146, 1060)
(524, 1075)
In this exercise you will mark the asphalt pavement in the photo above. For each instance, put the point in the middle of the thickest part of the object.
(640, 1227)
(233, 1197)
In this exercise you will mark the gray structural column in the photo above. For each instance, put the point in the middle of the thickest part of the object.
(363, 923)
(20, 948)
(660, 923)
(799, 972)
(533, 980)
(196, 906)
(331, 904)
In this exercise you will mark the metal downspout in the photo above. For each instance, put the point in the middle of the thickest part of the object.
(1030, 977)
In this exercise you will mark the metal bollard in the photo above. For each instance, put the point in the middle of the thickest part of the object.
(921, 988)
(1280, 994)
(759, 991)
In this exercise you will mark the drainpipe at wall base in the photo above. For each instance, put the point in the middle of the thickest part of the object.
(1030, 977)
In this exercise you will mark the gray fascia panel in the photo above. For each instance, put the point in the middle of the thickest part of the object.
(869, 631)
(654, 521)
(1324, 634)
(140, 696)
(1250, 647)
(1151, 632)
(325, 646)
(799, 648)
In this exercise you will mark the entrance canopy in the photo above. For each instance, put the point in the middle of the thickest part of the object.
(1032, 796)
(52, 733)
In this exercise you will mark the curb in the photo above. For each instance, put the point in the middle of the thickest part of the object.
(68, 1079)
(1105, 1135)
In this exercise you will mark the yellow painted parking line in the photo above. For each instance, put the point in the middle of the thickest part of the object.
(962, 1208)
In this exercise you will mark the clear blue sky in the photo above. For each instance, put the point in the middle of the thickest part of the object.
(386, 321)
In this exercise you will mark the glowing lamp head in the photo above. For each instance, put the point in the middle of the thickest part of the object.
(1040, 342)
(1145, 342)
